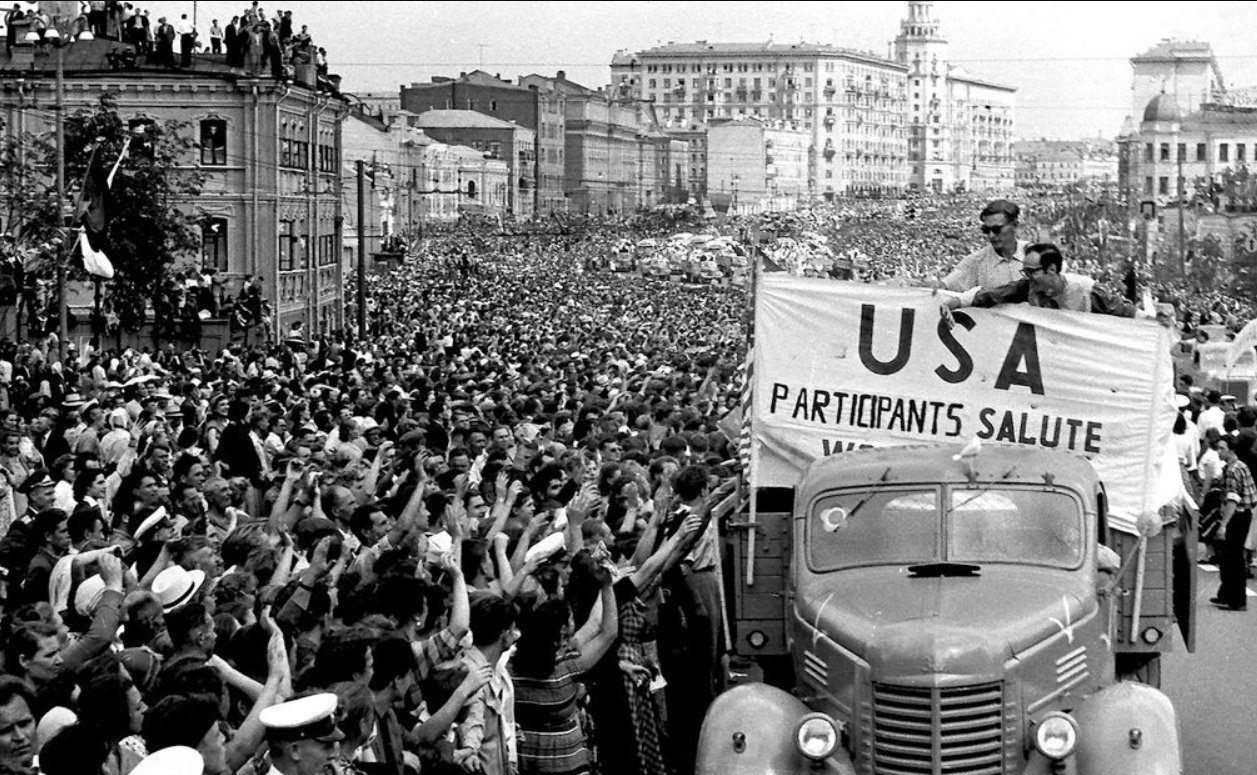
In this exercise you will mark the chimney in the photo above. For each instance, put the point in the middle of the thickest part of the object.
(561, 75)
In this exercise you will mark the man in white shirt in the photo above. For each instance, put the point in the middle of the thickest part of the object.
(187, 40)
(999, 262)
(1212, 416)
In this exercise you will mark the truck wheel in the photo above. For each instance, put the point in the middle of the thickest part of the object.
(1144, 668)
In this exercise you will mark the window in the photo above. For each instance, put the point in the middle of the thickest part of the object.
(1148, 185)
(1165, 151)
(214, 142)
(1163, 185)
(1200, 152)
(1239, 151)
(141, 141)
(1182, 151)
(288, 245)
(214, 244)
(1224, 152)
(1148, 152)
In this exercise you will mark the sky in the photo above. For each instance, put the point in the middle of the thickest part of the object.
(1069, 60)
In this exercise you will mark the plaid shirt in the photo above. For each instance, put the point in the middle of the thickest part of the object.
(1237, 485)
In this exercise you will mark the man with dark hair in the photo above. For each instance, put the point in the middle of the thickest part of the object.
(1239, 497)
(999, 262)
(493, 632)
(1045, 284)
(51, 530)
(17, 727)
(193, 636)
(393, 672)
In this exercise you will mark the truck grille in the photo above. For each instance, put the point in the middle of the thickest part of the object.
(932, 731)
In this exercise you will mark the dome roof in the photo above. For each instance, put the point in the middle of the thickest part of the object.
(1163, 107)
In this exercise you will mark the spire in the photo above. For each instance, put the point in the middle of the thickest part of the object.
(920, 22)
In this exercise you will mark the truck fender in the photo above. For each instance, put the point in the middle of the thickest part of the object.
(751, 729)
(1128, 728)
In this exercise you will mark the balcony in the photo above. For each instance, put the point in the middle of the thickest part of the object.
(829, 151)
(829, 120)
(768, 159)
(830, 90)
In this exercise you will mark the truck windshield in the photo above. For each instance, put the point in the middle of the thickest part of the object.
(874, 528)
(1029, 526)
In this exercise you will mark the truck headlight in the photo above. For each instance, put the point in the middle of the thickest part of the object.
(1056, 736)
(817, 736)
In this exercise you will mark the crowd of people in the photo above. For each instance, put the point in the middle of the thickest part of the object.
(251, 43)
(485, 531)
(483, 538)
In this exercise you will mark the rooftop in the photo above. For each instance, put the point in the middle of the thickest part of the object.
(1169, 48)
(106, 58)
(703, 48)
(460, 119)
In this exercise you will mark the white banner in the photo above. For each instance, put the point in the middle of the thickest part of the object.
(840, 366)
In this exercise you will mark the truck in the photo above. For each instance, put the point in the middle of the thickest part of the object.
(934, 608)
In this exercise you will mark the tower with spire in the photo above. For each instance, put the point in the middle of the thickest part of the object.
(960, 128)
(920, 39)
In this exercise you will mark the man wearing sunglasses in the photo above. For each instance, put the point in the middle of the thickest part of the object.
(997, 263)
(1044, 284)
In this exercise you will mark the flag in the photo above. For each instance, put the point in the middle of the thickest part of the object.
(91, 211)
(126, 146)
(1243, 342)
(95, 261)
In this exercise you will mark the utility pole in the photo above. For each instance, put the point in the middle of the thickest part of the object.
(362, 250)
(63, 313)
(1180, 151)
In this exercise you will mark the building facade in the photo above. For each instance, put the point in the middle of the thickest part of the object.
(960, 128)
(536, 108)
(1175, 151)
(851, 104)
(756, 167)
(614, 150)
(269, 151)
(1186, 70)
(413, 180)
(1056, 163)
(494, 139)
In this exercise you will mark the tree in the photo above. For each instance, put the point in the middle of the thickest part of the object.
(147, 233)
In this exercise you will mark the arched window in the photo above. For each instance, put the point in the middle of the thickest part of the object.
(471, 189)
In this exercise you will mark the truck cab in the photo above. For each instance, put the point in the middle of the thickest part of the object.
(942, 610)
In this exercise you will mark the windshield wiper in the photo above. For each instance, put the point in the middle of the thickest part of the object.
(978, 494)
(868, 497)
(940, 569)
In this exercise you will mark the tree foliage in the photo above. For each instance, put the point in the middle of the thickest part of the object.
(147, 233)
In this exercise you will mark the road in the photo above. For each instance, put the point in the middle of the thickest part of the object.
(1215, 689)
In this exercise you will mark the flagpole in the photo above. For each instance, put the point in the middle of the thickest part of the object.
(63, 310)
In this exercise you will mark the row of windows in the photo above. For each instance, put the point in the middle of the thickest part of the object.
(1202, 152)
(730, 67)
(293, 152)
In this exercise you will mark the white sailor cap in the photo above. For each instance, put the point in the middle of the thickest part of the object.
(1228, 397)
(306, 718)
(175, 760)
(1182, 401)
